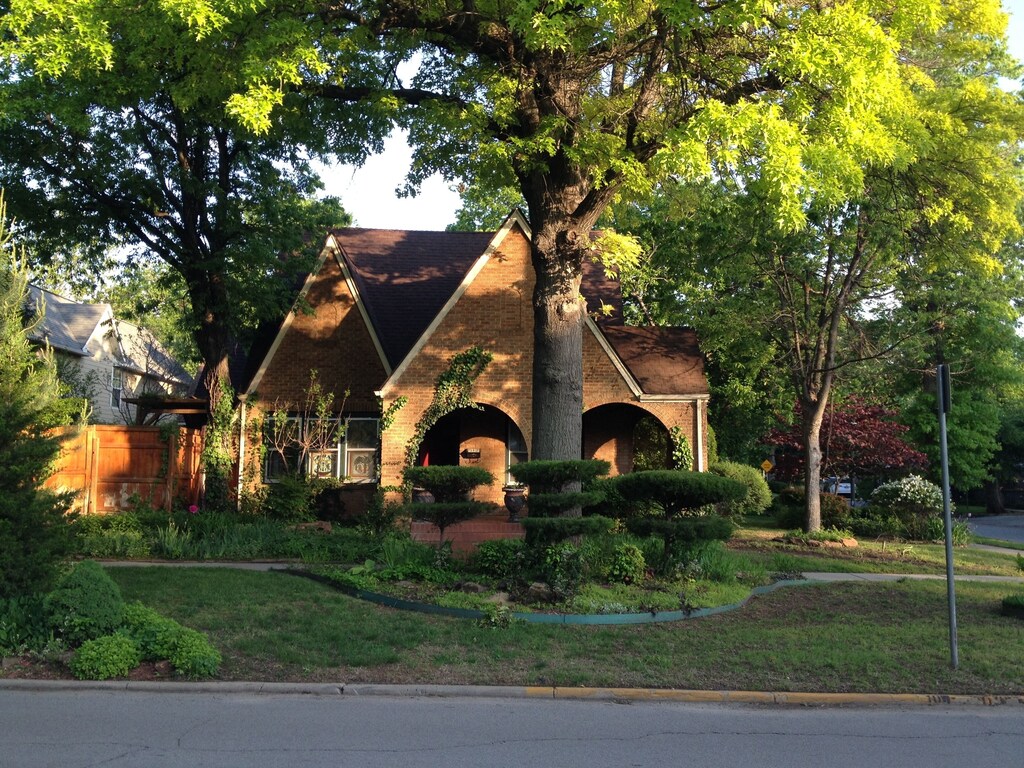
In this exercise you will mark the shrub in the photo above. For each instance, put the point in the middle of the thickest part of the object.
(194, 655)
(104, 657)
(85, 604)
(117, 535)
(912, 500)
(157, 637)
(758, 497)
(553, 476)
(677, 491)
(542, 531)
(628, 565)
(23, 625)
(562, 568)
(448, 483)
(791, 512)
(679, 536)
(289, 499)
(500, 559)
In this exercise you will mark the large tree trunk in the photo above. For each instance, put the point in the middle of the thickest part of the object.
(558, 353)
(994, 504)
(813, 415)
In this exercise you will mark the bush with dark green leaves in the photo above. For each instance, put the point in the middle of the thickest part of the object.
(628, 565)
(758, 497)
(448, 483)
(500, 559)
(559, 491)
(450, 486)
(105, 657)
(679, 491)
(85, 604)
(23, 625)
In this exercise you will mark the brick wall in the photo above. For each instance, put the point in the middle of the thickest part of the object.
(332, 339)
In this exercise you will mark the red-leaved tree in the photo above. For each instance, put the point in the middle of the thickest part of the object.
(858, 438)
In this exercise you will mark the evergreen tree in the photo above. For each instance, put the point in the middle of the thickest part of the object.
(33, 531)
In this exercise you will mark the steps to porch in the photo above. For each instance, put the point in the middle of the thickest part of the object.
(466, 535)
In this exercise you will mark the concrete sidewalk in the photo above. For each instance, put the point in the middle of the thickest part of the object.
(879, 577)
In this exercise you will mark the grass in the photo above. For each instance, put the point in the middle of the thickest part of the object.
(842, 637)
(757, 539)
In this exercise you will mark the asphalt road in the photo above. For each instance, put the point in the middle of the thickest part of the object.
(1003, 527)
(124, 729)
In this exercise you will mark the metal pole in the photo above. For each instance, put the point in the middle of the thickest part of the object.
(942, 382)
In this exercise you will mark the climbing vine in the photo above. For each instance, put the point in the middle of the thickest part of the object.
(682, 453)
(453, 390)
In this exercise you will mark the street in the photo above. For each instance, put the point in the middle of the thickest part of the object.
(122, 729)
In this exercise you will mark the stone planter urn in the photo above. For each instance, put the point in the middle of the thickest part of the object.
(515, 501)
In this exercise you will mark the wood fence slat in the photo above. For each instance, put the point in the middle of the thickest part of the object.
(120, 461)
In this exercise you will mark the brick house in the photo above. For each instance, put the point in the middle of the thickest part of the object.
(381, 317)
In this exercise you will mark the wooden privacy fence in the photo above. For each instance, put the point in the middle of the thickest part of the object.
(109, 467)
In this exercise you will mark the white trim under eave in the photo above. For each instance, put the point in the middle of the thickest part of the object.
(330, 245)
(673, 398)
(609, 350)
(514, 218)
(361, 306)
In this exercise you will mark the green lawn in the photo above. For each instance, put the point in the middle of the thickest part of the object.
(844, 637)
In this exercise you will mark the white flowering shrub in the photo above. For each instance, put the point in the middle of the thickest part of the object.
(913, 500)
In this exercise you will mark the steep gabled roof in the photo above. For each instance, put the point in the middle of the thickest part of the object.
(144, 354)
(404, 278)
(66, 325)
(664, 361)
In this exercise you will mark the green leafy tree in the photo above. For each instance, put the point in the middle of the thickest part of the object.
(115, 136)
(33, 533)
(571, 104)
(809, 294)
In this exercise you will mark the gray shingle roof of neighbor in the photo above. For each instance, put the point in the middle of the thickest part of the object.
(66, 325)
(144, 354)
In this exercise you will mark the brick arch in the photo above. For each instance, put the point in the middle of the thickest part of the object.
(609, 430)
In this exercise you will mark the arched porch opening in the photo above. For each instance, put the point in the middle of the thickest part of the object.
(486, 437)
(626, 436)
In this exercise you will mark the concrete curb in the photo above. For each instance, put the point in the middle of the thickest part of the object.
(621, 695)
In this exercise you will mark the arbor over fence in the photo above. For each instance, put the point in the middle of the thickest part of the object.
(110, 466)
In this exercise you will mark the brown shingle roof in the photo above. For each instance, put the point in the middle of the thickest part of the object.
(405, 278)
(664, 361)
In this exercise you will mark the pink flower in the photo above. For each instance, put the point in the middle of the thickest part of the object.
(193, 509)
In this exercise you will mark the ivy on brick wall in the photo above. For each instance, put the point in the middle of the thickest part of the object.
(453, 390)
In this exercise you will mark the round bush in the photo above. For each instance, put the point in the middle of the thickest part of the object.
(501, 559)
(758, 497)
(105, 657)
(912, 500)
(85, 604)
(194, 655)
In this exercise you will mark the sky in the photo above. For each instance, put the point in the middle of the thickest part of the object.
(368, 192)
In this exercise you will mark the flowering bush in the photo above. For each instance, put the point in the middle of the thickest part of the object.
(912, 500)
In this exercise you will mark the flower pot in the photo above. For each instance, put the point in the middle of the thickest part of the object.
(515, 502)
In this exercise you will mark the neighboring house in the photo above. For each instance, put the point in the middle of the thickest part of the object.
(381, 317)
(107, 360)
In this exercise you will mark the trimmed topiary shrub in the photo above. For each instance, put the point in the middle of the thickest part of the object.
(85, 604)
(559, 491)
(449, 485)
(678, 491)
(105, 657)
(758, 497)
